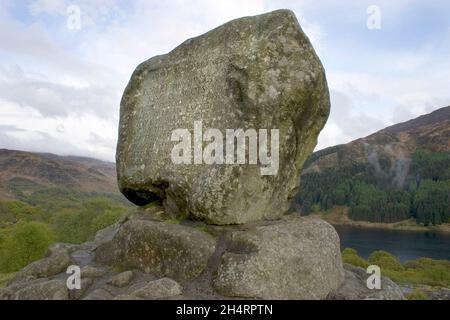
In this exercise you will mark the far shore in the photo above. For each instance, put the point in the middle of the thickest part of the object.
(339, 216)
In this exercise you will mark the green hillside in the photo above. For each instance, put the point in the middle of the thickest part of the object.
(398, 173)
(46, 198)
(425, 195)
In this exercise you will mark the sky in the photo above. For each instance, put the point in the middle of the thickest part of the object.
(65, 63)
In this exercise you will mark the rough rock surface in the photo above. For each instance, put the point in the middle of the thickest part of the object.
(43, 290)
(251, 73)
(57, 262)
(355, 287)
(296, 258)
(158, 289)
(290, 258)
(99, 294)
(122, 279)
(92, 272)
(164, 249)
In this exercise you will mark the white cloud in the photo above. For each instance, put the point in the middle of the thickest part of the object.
(48, 7)
(80, 134)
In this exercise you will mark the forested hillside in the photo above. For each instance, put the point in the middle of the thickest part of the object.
(398, 173)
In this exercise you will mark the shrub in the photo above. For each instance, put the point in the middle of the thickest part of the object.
(385, 260)
(351, 256)
(24, 243)
(104, 220)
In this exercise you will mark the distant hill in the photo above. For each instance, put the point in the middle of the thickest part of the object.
(390, 149)
(399, 172)
(22, 173)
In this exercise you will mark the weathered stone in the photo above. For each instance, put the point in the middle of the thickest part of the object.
(107, 234)
(43, 290)
(296, 258)
(160, 248)
(58, 247)
(76, 294)
(251, 73)
(56, 263)
(6, 294)
(126, 297)
(159, 289)
(438, 294)
(122, 279)
(92, 272)
(99, 294)
(355, 287)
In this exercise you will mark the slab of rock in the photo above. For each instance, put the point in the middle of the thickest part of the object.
(438, 294)
(107, 234)
(6, 294)
(77, 294)
(99, 294)
(296, 258)
(159, 289)
(122, 279)
(92, 272)
(43, 290)
(58, 247)
(159, 248)
(56, 263)
(126, 297)
(355, 287)
(251, 73)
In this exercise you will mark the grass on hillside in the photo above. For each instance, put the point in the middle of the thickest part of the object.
(5, 278)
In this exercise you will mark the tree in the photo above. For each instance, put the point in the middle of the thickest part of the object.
(431, 203)
(24, 243)
(377, 198)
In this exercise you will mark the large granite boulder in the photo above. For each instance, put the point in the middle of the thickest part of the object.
(160, 248)
(296, 258)
(254, 73)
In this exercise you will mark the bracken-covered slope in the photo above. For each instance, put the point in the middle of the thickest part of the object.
(390, 149)
(23, 173)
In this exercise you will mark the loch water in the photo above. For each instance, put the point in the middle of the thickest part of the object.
(406, 245)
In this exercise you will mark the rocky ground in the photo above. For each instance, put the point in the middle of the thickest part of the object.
(147, 257)
(433, 293)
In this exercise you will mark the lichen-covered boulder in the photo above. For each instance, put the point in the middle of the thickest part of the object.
(296, 258)
(254, 73)
(122, 279)
(43, 290)
(159, 289)
(159, 248)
